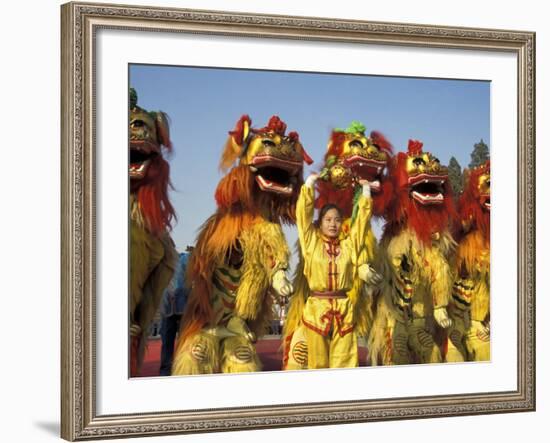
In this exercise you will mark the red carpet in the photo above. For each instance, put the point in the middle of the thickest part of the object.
(268, 350)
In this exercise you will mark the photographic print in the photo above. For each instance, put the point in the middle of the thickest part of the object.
(256, 207)
(300, 220)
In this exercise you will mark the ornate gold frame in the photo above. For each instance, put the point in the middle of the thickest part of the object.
(80, 21)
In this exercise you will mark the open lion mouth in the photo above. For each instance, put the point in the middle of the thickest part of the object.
(141, 155)
(274, 174)
(366, 169)
(428, 189)
(487, 202)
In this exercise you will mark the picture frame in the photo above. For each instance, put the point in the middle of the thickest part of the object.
(81, 175)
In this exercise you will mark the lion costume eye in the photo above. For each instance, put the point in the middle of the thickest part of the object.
(419, 161)
(268, 143)
(356, 144)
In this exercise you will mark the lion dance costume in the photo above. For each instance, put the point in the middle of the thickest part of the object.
(414, 252)
(469, 337)
(241, 252)
(350, 155)
(152, 253)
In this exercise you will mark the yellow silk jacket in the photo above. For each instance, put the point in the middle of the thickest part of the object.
(329, 265)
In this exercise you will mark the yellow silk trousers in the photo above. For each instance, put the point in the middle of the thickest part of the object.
(329, 333)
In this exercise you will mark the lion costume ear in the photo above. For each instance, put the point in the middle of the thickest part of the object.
(415, 147)
(163, 129)
(236, 142)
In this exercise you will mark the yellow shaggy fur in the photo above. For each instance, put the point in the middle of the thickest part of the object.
(431, 277)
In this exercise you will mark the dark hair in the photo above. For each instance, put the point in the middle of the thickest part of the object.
(324, 210)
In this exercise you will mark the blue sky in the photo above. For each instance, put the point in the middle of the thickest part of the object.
(449, 116)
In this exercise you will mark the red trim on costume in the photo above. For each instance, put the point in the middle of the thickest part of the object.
(330, 274)
(343, 332)
(335, 274)
(286, 349)
(329, 294)
(333, 250)
(330, 316)
(315, 328)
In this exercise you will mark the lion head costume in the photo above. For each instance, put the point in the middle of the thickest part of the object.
(423, 197)
(351, 155)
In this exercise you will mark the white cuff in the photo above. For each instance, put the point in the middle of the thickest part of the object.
(366, 190)
(310, 181)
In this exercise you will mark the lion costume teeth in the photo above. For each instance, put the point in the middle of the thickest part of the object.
(240, 249)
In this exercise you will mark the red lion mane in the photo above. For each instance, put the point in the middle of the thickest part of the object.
(152, 196)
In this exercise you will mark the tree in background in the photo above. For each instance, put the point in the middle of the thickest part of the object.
(479, 155)
(455, 176)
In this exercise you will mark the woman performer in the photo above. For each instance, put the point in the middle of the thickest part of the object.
(330, 265)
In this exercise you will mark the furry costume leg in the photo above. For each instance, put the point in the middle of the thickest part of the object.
(199, 355)
(239, 355)
(388, 341)
(422, 342)
(398, 338)
(152, 265)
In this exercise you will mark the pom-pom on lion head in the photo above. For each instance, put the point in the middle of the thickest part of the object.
(149, 171)
(267, 169)
(352, 155)
(475, 201)
(423, 197)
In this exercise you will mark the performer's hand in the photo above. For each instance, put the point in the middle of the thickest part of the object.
(366, 187)
(281, 284)
(238, 326)
(135, 330)
(310, 181)
(369, 275)
(442, 318)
